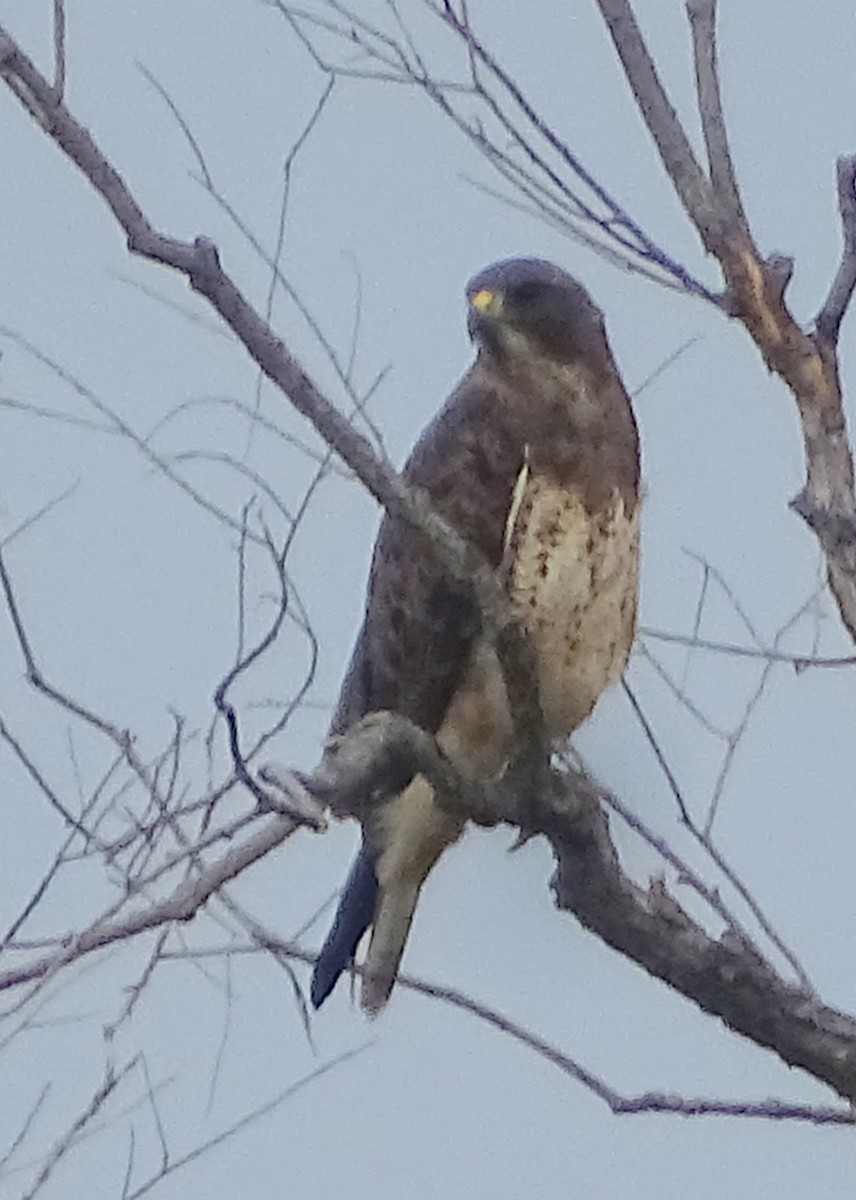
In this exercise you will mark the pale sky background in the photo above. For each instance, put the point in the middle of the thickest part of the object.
(129, 591)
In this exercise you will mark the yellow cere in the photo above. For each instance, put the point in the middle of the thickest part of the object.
(485, 299)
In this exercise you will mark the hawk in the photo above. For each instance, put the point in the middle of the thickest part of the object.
(534, 459)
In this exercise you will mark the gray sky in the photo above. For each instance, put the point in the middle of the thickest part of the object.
(129, 590)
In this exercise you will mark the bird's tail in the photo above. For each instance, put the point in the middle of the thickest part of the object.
(410, 834)
(353, 916)
(413, 832)
(389, 934)
(389, 912)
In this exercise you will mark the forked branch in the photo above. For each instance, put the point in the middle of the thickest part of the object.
(806, 362)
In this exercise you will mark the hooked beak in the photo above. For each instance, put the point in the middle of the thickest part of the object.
(485, 308)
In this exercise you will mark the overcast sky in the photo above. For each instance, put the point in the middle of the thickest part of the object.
(130, 594)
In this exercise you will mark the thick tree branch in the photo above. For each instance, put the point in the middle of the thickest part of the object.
(379, 755)
(725, 976)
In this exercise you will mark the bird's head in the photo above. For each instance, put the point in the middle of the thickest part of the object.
(528, 307)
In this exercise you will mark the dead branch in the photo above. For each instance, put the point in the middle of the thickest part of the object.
(170, 1165)
(807, 363)
(59, 47)
(112, 1079)
(182, 904)
(619, 1103)
(702, 14)
(676, 153)
(726, 976)
(506, 129)
(800, 662)
(841, 290)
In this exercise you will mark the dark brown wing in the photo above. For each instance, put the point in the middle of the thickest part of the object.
(419, 627)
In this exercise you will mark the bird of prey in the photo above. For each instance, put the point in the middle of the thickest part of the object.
(535, 460)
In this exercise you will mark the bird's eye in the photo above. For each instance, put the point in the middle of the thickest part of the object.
(525, 293)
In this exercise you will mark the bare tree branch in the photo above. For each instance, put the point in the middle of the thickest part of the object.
(510, 133)
(800, 662)
(806, 363)
(171, 1165)
(26, 1125)
(724, 976)
(181, 905)
(59, 47)
(99, 1098)
(200, 263)
(663, 124)
(841, 290)
(702, 14)
(618, 1102)
(623, 1105)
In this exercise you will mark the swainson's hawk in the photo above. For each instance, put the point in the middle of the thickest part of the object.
(534, 459)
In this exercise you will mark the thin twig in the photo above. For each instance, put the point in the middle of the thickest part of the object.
(841, 290)
(27, 1124)
(111, 1081)
(800, 662)
(59, 47)
(176, 1164)
(645, 1102)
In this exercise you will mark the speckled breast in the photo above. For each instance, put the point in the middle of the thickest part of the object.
(573, 575)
